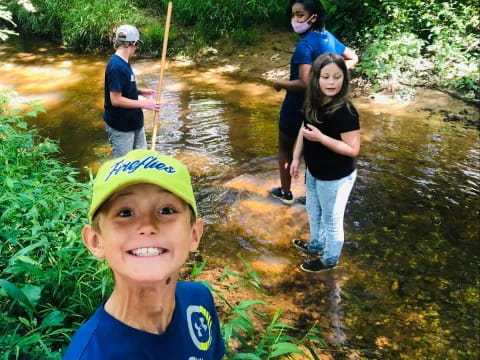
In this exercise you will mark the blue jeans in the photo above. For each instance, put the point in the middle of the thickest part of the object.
(326, 203)
(124, 141)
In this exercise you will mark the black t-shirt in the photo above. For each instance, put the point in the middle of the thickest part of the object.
(119, 77)
(323, 163)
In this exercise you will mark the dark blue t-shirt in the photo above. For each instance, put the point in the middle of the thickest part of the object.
(307, 50)
(193, 333)
(119, 77)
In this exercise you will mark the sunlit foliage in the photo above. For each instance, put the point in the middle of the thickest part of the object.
(6, 15)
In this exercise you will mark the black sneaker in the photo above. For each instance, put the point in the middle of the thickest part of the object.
(302, 200)
(303, 246)
(316, 266)
(285, 197)
(300, 244)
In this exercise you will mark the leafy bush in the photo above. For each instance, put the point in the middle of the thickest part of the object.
(89, 24)
(246, 36)
(255, 335)
(48, 282)
(152, 34)
(213, 19)
(430, 42)
(392, 57)
(454, 48)
(83, 25)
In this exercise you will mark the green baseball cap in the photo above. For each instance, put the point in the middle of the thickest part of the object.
(142, 166)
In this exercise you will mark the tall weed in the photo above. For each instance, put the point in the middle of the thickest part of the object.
(213, 19)
(48, 282)
(250, 333)
(83, 25)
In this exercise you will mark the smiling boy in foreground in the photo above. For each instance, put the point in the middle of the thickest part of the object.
(143, 221)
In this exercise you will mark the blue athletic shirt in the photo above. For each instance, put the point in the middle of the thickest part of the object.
(119, 77)
(307, 50)
(193, 333)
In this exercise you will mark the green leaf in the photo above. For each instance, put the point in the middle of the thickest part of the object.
(39, 108)
(24, 321)
(55, 318)
(245, 356)
(285, 348)
(33, 293)
(16, 294)
(32, 213)
(312, 352)
(26, 250)
(24, 268)
(227, 333)
(9, 182)
(27, 259)
(249, 303)
(27, 340)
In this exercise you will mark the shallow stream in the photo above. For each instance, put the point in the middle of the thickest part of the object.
(408, 284)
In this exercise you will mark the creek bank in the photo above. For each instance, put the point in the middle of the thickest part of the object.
(270, 59)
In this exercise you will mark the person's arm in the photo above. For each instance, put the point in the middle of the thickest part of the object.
(295, 85)
(351, 59)
(297, 155)
(120, 101)
(348, 146)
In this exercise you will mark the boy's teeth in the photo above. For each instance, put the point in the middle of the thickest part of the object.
(147, 252)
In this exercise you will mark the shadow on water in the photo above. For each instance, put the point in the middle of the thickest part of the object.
(407, 287)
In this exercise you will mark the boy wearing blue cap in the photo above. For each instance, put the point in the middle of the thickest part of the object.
(143, 222)
(123, 114)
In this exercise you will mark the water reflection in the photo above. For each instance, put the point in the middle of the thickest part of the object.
(335, 312)
(407, 285)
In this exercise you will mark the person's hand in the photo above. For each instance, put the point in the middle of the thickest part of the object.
(312, 133)
(294, 168)
(151, 105)
(277, 86)
(147, 92)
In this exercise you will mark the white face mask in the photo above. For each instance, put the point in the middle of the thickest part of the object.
(301, 27)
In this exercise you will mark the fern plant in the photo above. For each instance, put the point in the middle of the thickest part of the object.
(251, 334)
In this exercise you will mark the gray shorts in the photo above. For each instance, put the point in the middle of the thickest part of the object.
(122, 142)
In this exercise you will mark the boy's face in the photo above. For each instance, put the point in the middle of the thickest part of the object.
(145, 234)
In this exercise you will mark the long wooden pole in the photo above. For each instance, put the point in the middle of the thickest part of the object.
(160, 80)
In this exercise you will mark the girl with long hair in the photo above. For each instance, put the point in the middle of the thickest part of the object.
(330, 142)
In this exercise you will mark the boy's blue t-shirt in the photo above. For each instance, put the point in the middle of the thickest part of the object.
(119, 77)
(193, 334)
(312, 45)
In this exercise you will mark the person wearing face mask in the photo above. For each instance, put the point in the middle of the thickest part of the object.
(307, 19)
